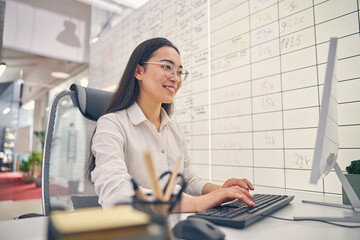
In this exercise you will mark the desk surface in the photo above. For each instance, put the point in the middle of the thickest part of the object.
(268, 228)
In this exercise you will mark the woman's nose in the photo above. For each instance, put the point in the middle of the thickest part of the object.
(177, 78)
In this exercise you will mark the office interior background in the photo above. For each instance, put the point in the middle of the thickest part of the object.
(251, 104)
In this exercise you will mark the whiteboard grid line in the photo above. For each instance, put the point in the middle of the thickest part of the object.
(349, 102)
(191, 94)
(288, 148)
(257, 167)
(348, 57)
(282, 99)
(317, 80)
(358, 12)
(209, 96)
(252, 106)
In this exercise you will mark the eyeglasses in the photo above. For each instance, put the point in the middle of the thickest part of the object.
(170, 70)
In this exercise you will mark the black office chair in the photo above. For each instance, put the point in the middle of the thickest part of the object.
(72, 120)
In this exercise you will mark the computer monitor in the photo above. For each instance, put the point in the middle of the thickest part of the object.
(327, 142)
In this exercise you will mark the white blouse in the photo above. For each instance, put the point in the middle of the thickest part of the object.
(119, 144)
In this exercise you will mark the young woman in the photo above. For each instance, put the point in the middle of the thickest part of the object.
(137, 121)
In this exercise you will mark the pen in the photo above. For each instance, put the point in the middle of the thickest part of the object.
(138, 193)
(171, 183)
(141, 196)
(158, 194)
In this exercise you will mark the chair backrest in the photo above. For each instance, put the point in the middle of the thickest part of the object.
(72, 120)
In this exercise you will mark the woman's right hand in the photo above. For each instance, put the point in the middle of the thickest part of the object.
(215, 198)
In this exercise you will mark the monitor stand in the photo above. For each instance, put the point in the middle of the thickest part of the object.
(354, 200)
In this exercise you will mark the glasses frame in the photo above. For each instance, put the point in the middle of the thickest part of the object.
(182, 77)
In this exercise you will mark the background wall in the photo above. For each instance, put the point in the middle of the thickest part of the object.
(27, 28)
(251, 105)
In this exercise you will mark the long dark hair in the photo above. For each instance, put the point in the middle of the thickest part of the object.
(128, 89)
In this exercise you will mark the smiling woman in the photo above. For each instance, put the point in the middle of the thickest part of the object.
(158, 82)
(137, 120)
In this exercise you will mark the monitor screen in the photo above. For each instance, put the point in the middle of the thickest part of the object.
(327, 143)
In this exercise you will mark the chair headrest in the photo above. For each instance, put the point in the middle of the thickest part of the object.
(92, 102)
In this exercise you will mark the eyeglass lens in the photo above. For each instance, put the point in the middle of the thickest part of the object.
(170, 71)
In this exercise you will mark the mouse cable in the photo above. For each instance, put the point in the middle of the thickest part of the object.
(309, 219)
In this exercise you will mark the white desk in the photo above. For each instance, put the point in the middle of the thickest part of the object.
(268, 228)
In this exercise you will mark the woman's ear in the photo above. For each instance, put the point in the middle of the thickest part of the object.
(139, 72)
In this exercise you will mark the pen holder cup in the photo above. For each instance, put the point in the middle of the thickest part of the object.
(159, 211)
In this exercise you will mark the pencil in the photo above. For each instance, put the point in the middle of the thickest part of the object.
(154, 183)
(171, 184)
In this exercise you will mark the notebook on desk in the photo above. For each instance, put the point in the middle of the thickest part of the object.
(118, 222)
(239, 215)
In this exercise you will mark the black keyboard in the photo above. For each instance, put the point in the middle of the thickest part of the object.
(237, 214)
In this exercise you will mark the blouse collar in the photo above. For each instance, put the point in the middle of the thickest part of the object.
(137, 116)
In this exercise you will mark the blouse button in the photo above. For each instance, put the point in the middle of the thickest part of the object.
(162, 151)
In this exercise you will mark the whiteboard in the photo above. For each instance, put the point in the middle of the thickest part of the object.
(250, 107)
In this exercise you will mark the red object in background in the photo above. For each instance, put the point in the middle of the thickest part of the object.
(13, 187)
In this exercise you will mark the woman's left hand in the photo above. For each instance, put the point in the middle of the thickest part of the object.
(243, 183)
